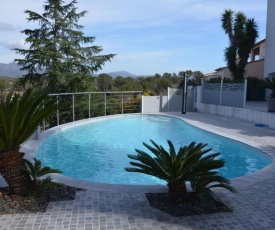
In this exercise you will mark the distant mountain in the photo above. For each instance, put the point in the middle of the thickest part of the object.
(122, 74)
(11, 70)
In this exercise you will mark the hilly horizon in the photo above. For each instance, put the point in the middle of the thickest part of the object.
(13, 70)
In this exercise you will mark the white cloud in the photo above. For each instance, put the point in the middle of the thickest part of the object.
(11, 44)
(147, 55)
(148, 36)
(161, 12)
(6, 27)
(136, 13)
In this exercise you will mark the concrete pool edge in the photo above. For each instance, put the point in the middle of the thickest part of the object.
(239, 182)
(30, 147)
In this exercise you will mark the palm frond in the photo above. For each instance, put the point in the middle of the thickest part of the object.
(36, 170)
(191, 163)
(20, 115)
(206, 182)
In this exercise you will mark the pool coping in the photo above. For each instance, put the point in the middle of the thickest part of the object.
(30, 147)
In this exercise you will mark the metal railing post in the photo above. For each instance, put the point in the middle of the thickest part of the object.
(122, 103)
(43, 123)
(168, 98)
(89, 105)
(105, 102)
(57, 111)
(141, 102)
(73, 108)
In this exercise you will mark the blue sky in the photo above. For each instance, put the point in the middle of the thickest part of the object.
(148, 36)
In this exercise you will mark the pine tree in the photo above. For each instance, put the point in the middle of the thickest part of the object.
(242, 33)
(59, 48)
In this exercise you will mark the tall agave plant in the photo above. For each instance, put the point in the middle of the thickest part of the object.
(20, 115)
(176, 168)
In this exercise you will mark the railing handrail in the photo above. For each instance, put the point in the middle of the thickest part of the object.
(124, 94)
(61, 94)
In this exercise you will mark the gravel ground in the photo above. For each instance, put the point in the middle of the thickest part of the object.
(11, 204)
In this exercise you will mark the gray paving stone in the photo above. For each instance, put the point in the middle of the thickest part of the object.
(96, 209)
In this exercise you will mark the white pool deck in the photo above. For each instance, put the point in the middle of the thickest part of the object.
(105, 206)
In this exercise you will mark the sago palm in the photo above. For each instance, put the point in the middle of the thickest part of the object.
(20, 115)
(204, 184)
(176, 168)
(36, 171)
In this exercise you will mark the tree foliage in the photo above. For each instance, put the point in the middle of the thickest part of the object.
(59, 48)
(6, 85)
(154, 85)
(242, 33)
(104, 82)
(20, 116)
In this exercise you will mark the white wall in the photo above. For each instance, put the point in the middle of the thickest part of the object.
(243, 113)
(153, 104)
(247, 114)
(269, 66)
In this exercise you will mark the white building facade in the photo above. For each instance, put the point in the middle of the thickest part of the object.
(269, 65)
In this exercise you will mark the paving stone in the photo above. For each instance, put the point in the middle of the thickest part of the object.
(253, 205)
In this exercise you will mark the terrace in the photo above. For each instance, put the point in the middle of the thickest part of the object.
(120, 207)
(114, 207)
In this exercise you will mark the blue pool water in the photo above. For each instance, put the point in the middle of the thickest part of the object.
(97, 151)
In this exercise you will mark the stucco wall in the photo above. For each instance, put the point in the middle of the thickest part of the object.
(253, 69)
(224, 73)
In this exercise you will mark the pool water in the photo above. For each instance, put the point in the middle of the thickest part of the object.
(97, 150)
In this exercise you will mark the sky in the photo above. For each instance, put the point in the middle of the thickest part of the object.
(147, 36)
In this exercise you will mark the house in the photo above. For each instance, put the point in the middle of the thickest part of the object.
(254, 67)
(211, 75)
(269, 66)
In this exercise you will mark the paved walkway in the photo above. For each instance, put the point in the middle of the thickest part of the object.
(111, 208)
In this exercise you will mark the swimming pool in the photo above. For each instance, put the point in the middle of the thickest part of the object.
(97, 150)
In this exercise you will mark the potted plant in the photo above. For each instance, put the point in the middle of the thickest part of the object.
(270, 84)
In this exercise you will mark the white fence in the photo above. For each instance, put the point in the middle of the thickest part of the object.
(170, 103)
